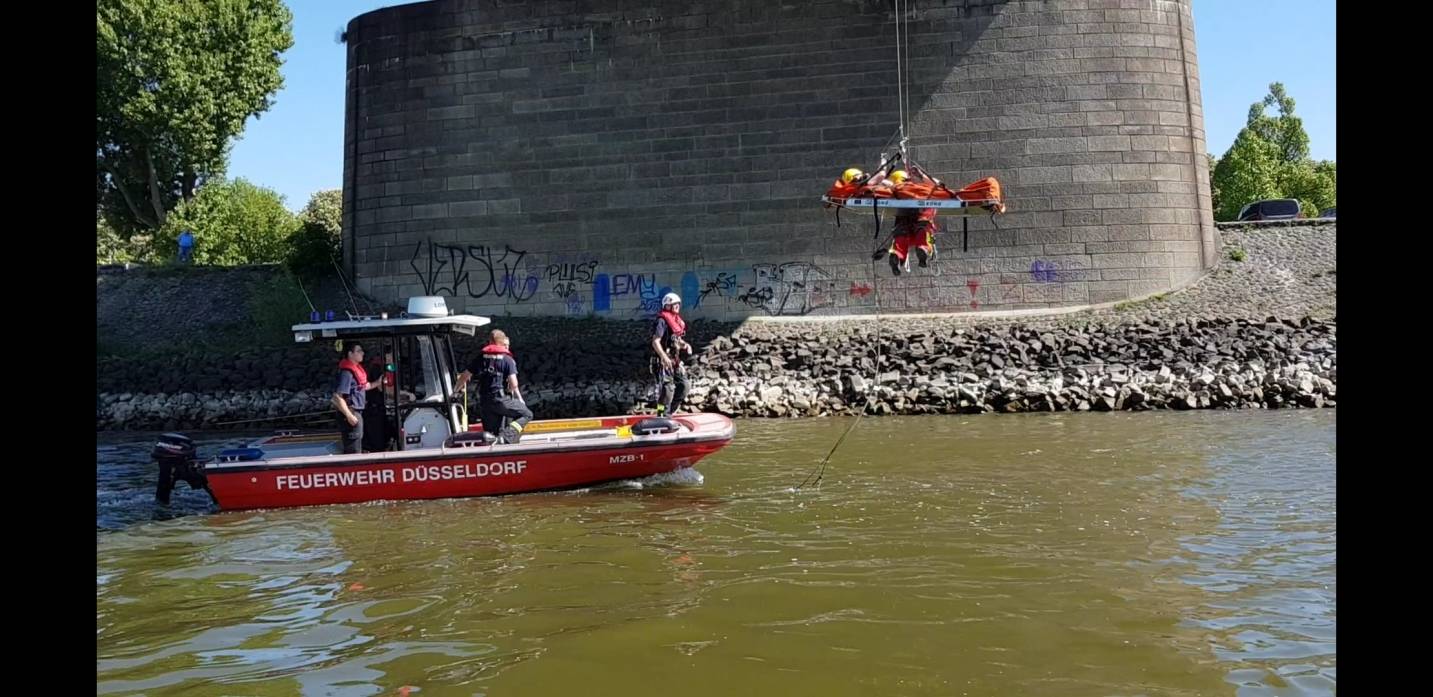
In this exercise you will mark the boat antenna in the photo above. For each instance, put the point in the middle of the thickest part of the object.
(300, 283)
(344, 280)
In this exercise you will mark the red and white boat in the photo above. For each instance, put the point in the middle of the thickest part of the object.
(435, 453)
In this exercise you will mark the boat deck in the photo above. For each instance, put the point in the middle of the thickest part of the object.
(616, 431)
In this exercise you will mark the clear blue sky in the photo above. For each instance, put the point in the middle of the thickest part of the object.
(1246, 44)
(296, 147)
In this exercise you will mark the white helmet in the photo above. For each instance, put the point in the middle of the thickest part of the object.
(671, 299)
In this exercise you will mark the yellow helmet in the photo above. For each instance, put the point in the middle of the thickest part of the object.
(851, 174)
(899, 176)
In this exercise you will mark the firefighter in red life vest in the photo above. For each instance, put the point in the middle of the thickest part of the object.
(498, 389)
(350, 396)
(669, 343)
(914, 229)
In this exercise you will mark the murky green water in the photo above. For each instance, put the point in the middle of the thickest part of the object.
(1076, 554)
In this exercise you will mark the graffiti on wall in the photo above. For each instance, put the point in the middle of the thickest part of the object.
(570, 281)
(474, 270)
(571, 297)
(649, 303)
(639, 289)
(1046, 272)
(690, 295)
(722, 286)
(792, 288)
(501, 273)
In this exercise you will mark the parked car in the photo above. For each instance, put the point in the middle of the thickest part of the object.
(1331, 212)
(1271, 209)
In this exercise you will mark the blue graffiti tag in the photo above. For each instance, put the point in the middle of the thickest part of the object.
(690, 294)
(602, 293)
(1044, 271)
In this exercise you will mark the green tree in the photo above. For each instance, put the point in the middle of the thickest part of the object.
(110, 248)
(1213, 188)
(316, 246)
(1314, 184)
(1270, 159)
(1248, 172)
(233, 222)
(176, 81)
(325, 211)
(1285, 131)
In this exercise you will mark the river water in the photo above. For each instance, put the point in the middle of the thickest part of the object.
(1053, 554)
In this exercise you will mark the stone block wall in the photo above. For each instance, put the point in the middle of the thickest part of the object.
(583, 157)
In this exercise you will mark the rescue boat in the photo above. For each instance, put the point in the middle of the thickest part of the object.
(434, 452)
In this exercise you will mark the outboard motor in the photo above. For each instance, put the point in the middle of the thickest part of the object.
(175, 454)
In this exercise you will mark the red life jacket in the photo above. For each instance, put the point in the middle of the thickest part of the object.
(496, 349)
(359, 373)
(674, 321)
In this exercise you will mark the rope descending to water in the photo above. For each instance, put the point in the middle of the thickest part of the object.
(880, 348)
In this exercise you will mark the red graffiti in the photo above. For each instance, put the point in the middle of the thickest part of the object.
(974, 287)
(860, 290)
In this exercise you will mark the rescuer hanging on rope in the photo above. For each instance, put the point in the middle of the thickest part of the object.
(914, 229)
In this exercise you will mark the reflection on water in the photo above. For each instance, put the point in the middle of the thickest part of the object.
(1069, 554)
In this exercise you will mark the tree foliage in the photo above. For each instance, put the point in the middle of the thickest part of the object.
(1285, 131)
(1314, 184)
(1213, 187)
(1270, 159)
(110, 248)
(176, 82)
(1248, 172)
(233, 222)
(316, 246)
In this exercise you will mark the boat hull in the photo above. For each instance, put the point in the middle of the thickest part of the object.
(458, 472)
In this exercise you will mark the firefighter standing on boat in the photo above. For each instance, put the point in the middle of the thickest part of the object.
(498, 389)
(350, 396)
(669, 343)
